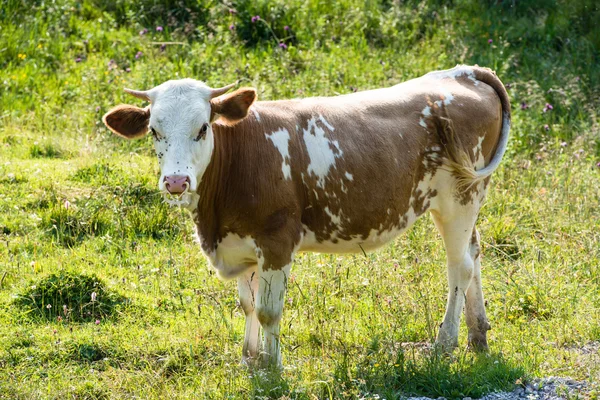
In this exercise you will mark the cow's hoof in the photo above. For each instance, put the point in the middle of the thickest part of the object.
(478, 343)
(445, 345)
(251, 362)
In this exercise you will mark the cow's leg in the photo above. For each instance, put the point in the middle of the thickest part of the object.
(270, 298)
(247, 287)
(476, 319)
(456, 227)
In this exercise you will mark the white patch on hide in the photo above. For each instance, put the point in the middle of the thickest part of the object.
(318, 146)
(425, 113)
(281, 140)
(256, 114)
(233, 255)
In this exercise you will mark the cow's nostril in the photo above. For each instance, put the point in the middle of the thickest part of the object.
(177, 184)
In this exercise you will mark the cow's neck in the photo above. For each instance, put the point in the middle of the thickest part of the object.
(208, 215)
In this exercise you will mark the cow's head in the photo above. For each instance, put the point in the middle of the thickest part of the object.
(179, 117)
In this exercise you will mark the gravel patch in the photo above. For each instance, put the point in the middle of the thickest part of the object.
(551, 388)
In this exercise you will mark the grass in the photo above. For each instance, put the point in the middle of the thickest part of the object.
(77, 202)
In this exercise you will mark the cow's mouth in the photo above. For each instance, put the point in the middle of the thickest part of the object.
(181, 199)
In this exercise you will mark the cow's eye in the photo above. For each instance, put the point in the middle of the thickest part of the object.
(202, 132)
(155, 134)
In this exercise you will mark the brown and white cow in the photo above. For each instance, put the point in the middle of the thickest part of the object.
(265, 180)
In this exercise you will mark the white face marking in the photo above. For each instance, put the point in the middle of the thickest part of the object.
(178, 111)
(322, 157)
(281, 140)
(349, 176)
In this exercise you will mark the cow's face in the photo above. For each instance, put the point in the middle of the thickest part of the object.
(179, 118)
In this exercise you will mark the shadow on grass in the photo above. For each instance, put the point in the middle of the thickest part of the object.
(430, 374)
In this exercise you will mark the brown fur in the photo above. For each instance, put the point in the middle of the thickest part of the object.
(244, 190)
(233, 107)
(127, 121)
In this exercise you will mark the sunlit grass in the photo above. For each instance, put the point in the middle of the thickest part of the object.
(74, 199)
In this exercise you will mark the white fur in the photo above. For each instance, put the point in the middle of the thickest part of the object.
(281, 140)
(322, 158)
(425, 113)
(178, 110)
(454, 73)
(233, 255)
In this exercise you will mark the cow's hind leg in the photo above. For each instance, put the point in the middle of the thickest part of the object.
(477, 321)
(247, 287)
(456, 224)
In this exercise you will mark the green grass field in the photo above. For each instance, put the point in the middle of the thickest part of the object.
(80, 212)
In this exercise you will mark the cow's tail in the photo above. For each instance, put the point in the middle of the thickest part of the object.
(457, 159)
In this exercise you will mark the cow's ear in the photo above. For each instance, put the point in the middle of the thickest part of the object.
(233, 107)
(128, 121)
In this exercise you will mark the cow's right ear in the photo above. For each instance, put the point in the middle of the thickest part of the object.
(128, 121)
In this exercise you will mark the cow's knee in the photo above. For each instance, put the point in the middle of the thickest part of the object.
(268, 316)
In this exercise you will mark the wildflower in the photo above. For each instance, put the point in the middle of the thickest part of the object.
(97, 322)
(283, 46)
(524, 106)
(40, 46)
(548, 107)
(138, 54)
(78, 59)
(59, 318)
(112, 64)
(94, 296)
(163, 47)
(231, 27)
(598, 164)
(563, 144)
(143, 32)
(490, 41)
(546, 127)
(159, 28)
(97, 108)
(127, 69)
(55, 331)
(232, 11)
(255, 18)
(65, 309)
(67, 204)
(286, 28)
(49, 306)
(21, 56)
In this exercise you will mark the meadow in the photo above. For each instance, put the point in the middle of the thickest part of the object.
(105, 295)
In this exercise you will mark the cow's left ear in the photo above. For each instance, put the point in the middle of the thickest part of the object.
(233, 107)
(128, 121)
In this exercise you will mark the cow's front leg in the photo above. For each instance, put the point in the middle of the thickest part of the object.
(247, 287)
(270, 298)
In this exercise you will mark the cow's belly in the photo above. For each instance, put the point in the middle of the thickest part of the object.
(357, 243)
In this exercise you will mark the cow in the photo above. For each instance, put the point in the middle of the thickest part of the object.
(264, 180)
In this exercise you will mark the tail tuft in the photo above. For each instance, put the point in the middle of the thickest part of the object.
(456, 159)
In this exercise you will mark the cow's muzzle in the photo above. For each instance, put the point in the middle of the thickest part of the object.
(177, 184)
